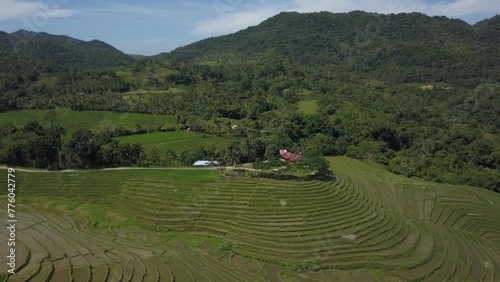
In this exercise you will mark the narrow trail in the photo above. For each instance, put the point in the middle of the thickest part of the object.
(125, 168)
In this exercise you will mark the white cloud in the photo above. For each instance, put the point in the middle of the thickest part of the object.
(232, 18)
(154, 10)
(232, 22)
(61, 13)
(463, 8)
(13, 9)
(110, 7)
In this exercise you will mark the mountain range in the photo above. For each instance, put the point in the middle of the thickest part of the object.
(399, 47)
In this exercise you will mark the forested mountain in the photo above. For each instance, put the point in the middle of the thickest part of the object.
(489, 30)
(398, 48)
(63, 51)
(40, 63)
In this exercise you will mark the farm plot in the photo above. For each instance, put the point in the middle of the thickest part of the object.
(197, 225)
(176, 141)
(54, 251)
(334, 223)
(95, 120)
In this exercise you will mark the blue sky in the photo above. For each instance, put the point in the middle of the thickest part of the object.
(151, 27)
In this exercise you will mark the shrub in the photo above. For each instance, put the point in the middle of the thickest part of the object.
(225, 246)
(305, 266)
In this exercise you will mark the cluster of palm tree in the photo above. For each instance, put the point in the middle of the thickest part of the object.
(237, 152)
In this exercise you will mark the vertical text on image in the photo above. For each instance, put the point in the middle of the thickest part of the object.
(11, 220)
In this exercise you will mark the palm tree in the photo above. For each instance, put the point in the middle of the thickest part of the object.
(247, 150)
(233, 154)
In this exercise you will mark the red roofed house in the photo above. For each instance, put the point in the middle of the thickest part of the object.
(289, 156)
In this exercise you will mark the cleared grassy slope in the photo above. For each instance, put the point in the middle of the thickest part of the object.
(95, 120)
(308, 106)
(176, 141)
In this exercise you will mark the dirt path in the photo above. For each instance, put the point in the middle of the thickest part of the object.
(34, 169)
(124, 168)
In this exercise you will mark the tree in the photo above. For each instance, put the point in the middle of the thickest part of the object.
(322, 167)
(187, 158)
(81, 151)
(51, 118)
(233, 154)
(53, 144)
(33, 127)
(247, 150)
(154, 156)
(170, 158)
(314, 162)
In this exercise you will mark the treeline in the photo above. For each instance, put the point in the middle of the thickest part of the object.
(444, 135)
(34, 145)
(32, 90)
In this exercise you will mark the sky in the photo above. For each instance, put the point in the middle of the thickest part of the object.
(155, 26)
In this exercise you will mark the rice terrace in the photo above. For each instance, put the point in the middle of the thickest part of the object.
(196, 225)
(221, 141)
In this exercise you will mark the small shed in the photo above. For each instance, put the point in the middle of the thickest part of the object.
(206, 163)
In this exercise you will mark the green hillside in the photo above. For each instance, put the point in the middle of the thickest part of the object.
(156, 225)
(55, 64)
(63, 51)
(399, 48)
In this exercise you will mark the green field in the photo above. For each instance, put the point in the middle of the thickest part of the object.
(187, 225)
(308, 107)
(176, 141)
(95, 120)
(141, 76)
